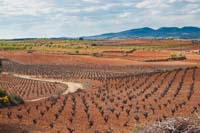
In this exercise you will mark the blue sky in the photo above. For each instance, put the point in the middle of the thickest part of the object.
(72, 18)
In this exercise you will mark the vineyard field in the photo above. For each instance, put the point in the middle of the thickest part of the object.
(115, 92)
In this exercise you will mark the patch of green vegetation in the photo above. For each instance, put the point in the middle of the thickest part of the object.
(77, 52)
(53, 99)
(44, 43)
(96, 54)
(6, 45)
(2, 93)
(159, 47)
(15, 100)
(139, 47)
(9, 100)
(182, 55)
(175, 55)
(70, 46)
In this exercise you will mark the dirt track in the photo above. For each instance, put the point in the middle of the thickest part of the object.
(72, 87)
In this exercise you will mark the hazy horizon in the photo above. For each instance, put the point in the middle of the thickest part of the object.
(61, 18)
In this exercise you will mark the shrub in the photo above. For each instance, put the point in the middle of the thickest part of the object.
(2, 93)
(3, 98)
(96, 55)
(53, 99)
(174, 125)
(178, 56)
(81, 38)
(15, 100)
(173, 55)
(93, 44)
(182, 55)
(9, 100)
(77, 52)
(4, 101)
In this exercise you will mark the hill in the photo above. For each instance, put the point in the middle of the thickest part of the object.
(146, 32)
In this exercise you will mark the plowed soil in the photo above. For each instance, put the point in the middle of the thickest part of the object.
(120, 92)
(117, 106)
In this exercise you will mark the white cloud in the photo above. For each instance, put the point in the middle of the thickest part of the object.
(144, 4)
(124, 15)
(25, 7)
(91, 1)
(195, 11)
(151, 4)
(190, 9)
(192, 1)
(48, 18)
(172, 1)
(96, 8)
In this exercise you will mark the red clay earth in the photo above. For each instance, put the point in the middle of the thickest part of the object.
(59, 59)
(149, 54)
(87, 71)
(80, 60)
(129, 92)
(117, 105)
(30, 89)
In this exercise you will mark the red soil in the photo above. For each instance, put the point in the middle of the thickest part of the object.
(60, 59)
(30, 89)
(80, 60)
(117, 101)
(116, 106)
(148, 55)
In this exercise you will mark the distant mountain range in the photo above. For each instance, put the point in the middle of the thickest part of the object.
(146, 32)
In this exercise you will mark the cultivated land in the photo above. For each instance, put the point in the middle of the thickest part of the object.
(98, 86)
